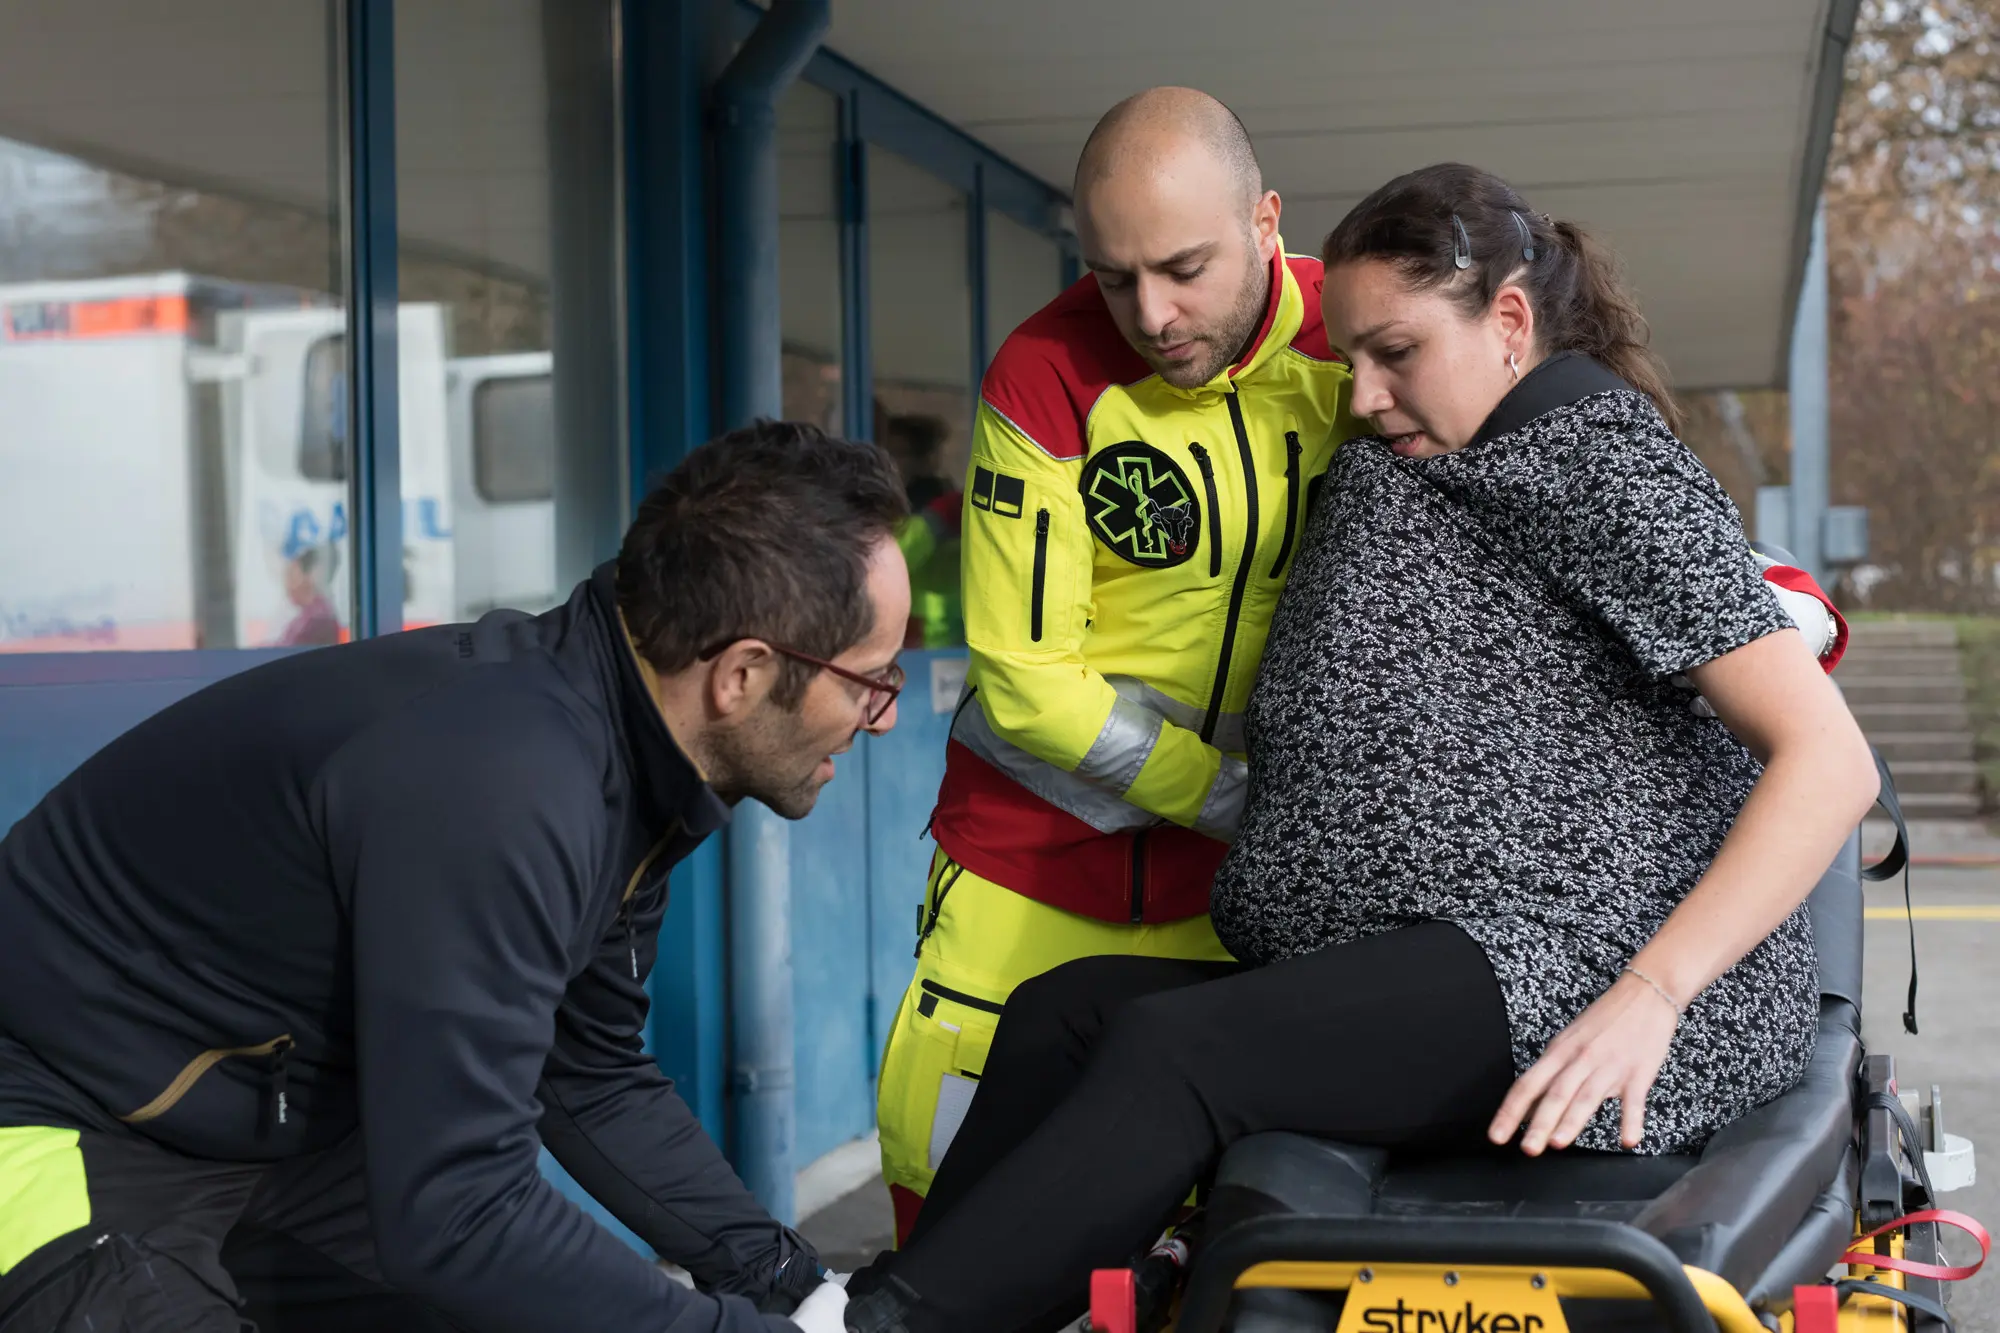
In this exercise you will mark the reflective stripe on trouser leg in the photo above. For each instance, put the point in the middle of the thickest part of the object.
(986, 941)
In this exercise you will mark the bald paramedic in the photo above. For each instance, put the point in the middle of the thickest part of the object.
(300, 976)
(1145, 450)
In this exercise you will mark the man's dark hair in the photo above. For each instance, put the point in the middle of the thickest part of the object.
(762, 533)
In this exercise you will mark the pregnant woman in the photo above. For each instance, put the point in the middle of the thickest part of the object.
(1502, 873)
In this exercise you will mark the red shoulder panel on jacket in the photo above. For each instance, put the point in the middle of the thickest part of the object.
(1311, 337)
(1052, 370)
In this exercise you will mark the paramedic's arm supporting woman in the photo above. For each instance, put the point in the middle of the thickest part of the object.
(1818, 782)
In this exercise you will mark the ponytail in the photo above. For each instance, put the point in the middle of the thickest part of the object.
(1602, 320)
(1461, 227)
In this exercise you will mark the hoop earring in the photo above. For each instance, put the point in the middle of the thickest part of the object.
(1514, 366)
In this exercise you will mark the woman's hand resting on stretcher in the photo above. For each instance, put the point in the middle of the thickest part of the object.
(1614, 1049)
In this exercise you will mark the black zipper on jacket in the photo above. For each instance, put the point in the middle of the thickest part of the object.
(1214, 511)
(1138, 877)
(1292, 451)
(1242, 570)
(1041, 573)
(960, 997)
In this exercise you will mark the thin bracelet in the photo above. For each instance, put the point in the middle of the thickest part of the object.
(1659, 990)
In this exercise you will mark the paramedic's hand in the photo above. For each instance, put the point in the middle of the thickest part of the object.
(821, 1312)
(1614, 1049)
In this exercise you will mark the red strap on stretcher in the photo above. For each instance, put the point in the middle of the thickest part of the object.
(1114, 1301)
(1936, 1272)
(1815, 1310)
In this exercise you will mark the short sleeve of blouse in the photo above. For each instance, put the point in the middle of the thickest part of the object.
(1647, 541)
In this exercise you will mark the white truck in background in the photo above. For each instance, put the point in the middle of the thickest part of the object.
(174, 459)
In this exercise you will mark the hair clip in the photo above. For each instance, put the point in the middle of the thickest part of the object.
(1461, 244)
(1527, 236)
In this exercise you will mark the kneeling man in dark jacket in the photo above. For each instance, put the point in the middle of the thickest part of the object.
(299, 976)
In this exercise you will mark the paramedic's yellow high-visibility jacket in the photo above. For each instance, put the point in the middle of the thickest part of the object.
(1125, 542)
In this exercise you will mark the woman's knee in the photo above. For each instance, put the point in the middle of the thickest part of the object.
(1063, 1012)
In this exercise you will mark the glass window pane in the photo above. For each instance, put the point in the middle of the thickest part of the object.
(514, 440)
(509, 363)
(809, 254)
(920, 321)
(172, 369)
(1023, 274)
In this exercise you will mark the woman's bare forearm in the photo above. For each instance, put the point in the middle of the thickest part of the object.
(1818, 782)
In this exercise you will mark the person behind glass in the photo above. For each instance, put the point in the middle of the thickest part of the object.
(930, 537)
(1499, 877)
(316, 624)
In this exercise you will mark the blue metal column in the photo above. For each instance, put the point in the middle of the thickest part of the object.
(759, 846)
(1809, 411)
(375, 500)
(857, 368)
(668, 391)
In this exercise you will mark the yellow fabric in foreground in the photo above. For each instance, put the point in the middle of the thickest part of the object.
(43, 1192)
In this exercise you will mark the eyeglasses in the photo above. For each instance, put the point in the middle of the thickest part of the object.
(882, 689)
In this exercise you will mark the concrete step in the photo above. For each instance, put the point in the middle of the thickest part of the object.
(1903, 633)
(1917, 747)
(1936, 777)
(1902, 690)
(1938, 805)
(1875, 717)
(1899, 662)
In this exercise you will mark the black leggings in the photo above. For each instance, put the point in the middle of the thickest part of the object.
(1115, 1083)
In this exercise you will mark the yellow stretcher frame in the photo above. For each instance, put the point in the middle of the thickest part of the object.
(1860, 1313)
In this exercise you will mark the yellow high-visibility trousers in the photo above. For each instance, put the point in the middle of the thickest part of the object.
(979, 941)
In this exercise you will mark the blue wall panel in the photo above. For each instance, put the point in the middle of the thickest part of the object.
(830, 962)
(58, 709)
(904, 769)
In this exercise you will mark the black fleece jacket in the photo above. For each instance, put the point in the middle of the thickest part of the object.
(412, 886)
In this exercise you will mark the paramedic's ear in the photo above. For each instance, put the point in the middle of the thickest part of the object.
(1513, 317)
(740, 678)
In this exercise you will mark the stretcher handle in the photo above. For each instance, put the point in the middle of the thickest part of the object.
(1858, 1255)
(1455, 1242)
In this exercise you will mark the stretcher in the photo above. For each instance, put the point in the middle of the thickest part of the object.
(1816, 1213)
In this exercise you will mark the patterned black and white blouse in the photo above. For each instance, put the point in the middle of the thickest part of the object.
(1466, 714)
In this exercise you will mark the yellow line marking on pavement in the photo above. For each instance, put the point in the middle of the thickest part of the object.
(1973, 912)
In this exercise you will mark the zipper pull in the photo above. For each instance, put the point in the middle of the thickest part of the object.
(281, 1054)
(1292, 445)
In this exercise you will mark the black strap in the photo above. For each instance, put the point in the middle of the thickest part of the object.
(1913, 1138)
(1921, 1304)
(1897, 859)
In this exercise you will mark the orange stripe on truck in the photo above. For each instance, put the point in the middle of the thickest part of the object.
(122, 317)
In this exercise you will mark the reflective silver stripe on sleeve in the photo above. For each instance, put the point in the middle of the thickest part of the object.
(1104, 810)
(1228, 728)
(1223, 810)
(1122, 746)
